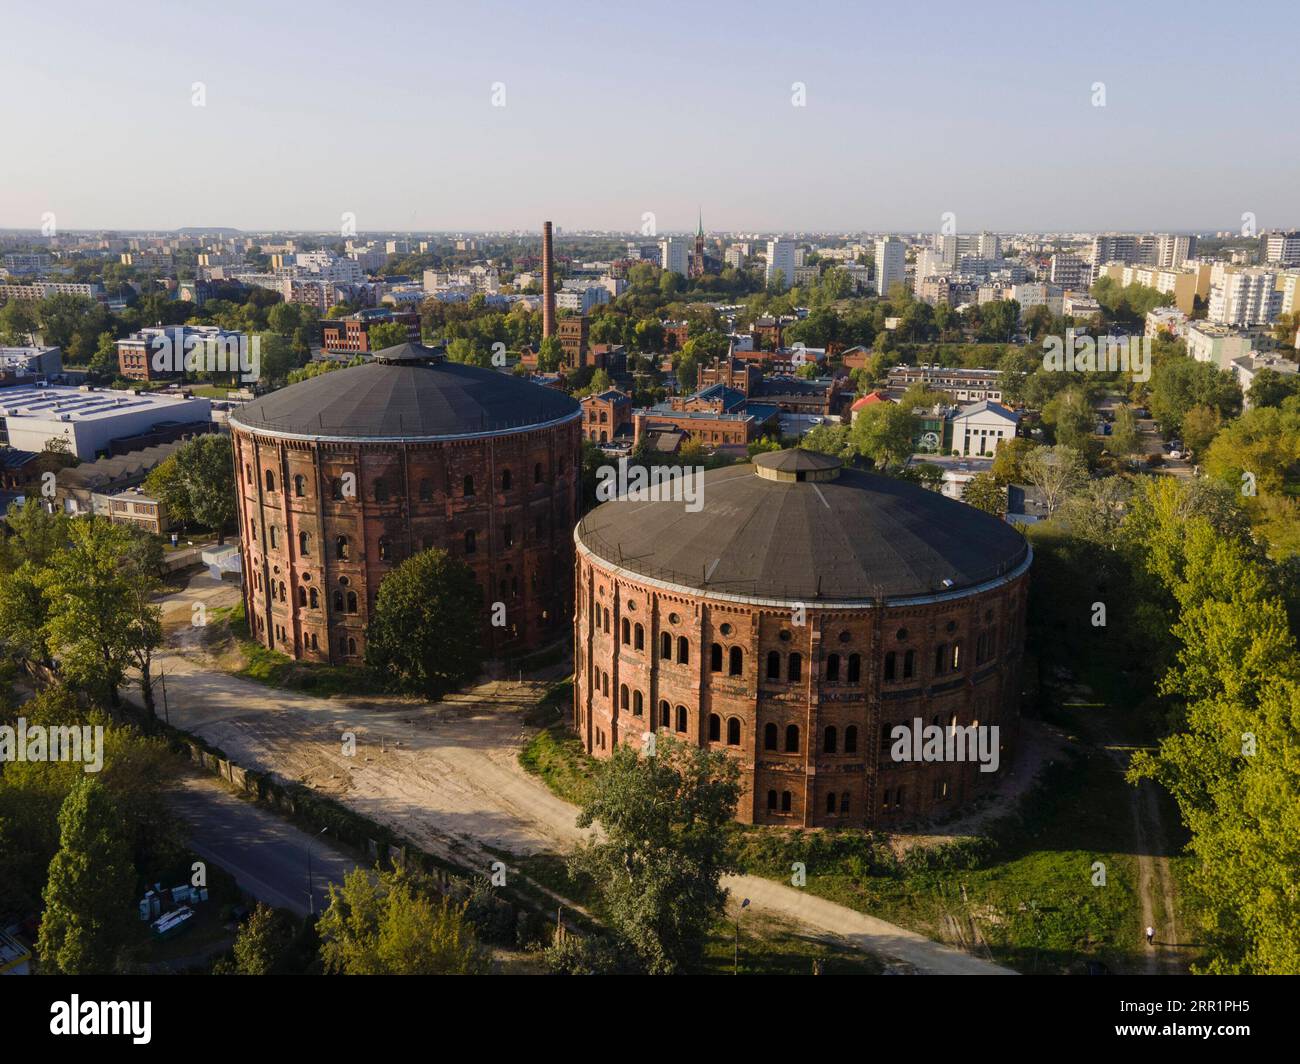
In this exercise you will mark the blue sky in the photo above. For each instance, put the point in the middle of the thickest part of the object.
(612, 110)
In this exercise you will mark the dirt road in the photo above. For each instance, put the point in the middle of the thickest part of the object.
(445, 775)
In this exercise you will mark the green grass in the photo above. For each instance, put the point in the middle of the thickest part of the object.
(556, 755)
(768, 947)
(1026, 886)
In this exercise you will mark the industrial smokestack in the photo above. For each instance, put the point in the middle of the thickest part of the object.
(548, 282)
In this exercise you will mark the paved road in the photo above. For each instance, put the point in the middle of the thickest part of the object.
(266, 855)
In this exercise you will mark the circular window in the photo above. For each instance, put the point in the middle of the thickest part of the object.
(845, 636)
(674, 619)
(343, 580)
(951, 626)
(901, 634)
(631, 605)
(726, 629)
(785, 637)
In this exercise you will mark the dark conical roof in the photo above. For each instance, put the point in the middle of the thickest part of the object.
(409, 393)
(857, 537)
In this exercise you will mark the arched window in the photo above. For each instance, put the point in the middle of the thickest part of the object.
(604, 685)
(956, 656)
(855, 668)
(940, 658)
(851, 739)
(792, 738)
(341, 548)
(773, 665)
(248, 473)
(681, 718)
(352, 646)
(622, 697)
(715, 728)
(795, 669)
(830, 740)
(469, 486)
(735, 662)
(683, 650)
(304, 543)
(275, 538)
(909, 664)
(505, 480)
(385, 549)
(638, 638)
(302, 596)
(769, 737)
(606, 620)
(833, 668)
(626, 631)
(338, 601)
(733, 731)
(715, 657)
(315, 598)
(666, 646)
(426, 490)
(381, 490)
(771, 801)
(352, 602)
(537, 473)
(664, 712)
(891, 665)
(470, 545)
(270, 481)
(830, 802)
(638, 705)
(336, 489)
(785, 801)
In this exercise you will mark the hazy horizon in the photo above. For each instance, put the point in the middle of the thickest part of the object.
(609, 114)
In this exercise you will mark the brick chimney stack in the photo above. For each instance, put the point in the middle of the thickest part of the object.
(548, 282)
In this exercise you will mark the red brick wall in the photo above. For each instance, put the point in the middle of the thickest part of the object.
(987, 693)
(523, 552)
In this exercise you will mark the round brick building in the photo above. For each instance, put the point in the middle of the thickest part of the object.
(343, 476)
(792, 620)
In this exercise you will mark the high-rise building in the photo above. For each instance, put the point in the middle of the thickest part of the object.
(891, 264)
(674, 255)
(1283, 248)
(1071, 273)
(780, 259)
(1243, 295)
(1173, 249)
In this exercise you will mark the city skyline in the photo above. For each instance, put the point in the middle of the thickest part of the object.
(514, 116)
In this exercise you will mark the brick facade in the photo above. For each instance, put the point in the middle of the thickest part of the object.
(645, 659)
(505, 504)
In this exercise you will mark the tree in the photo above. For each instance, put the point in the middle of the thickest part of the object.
(103, 575)
(18, 322)
(1270, 387)
(104, 362)
(35, 535)
(658, 862)
(1056, 472)
(206, 467)
(883, 432)
(90, 888)
(426, 632)
(262, 941)
(1261, 447)
(387, 334)
(386, 923)
(984, 492)
(1200, 424)
(1124, 439)
(1009, 459)
(277, 357)
(1071, 418)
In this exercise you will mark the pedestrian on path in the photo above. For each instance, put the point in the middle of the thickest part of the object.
(1151, 936)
